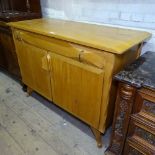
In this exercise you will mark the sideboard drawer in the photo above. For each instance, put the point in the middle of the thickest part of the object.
(49, 44)
(78, 52)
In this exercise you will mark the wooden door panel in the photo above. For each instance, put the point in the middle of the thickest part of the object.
(24, 63)
(40, 74)
(77, 88)
(34, 73)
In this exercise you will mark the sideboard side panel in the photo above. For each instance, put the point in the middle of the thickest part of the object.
(114, 63)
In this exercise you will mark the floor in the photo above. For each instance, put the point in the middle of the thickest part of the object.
(34, 126)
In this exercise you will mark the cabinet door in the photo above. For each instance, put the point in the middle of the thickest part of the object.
(77, 88)
(33, 63)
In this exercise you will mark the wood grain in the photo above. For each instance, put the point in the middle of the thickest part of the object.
(115, 40)
(78, 83)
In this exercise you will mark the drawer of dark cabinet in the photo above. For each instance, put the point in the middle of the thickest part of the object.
(141, 135)
(145, 104)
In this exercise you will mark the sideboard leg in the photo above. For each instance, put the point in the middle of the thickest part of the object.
(98, 137)
(29, 91)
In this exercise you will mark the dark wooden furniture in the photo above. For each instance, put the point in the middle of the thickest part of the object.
(14, 10)
(133, 130)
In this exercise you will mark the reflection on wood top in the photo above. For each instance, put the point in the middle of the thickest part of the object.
(115, 40)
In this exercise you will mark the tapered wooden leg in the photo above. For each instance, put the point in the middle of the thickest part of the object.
(98, 137)
(29, 91)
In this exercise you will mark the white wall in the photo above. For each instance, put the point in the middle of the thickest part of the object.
(128, 13)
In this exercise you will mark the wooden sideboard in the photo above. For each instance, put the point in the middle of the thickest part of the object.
(14, 10)
(134, 119)
(73, 63)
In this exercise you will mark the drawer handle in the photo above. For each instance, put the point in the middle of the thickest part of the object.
(92, 59)
(80, 54)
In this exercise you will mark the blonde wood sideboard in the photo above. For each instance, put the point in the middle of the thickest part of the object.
(72, 64)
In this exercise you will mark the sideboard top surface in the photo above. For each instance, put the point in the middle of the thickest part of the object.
(114, 40)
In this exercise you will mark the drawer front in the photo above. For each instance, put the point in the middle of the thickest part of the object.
(145, 135)
(141, 136)
(145, 104)
(148, 108)
(133, 147)
(132, 151)
(80, 53)
(141, 132)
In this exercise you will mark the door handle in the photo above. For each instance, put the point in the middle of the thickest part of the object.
(46, 62)
(48, 57)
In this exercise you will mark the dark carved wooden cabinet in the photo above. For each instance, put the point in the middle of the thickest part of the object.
(14, 10)
(141, 131)
(133, 130)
